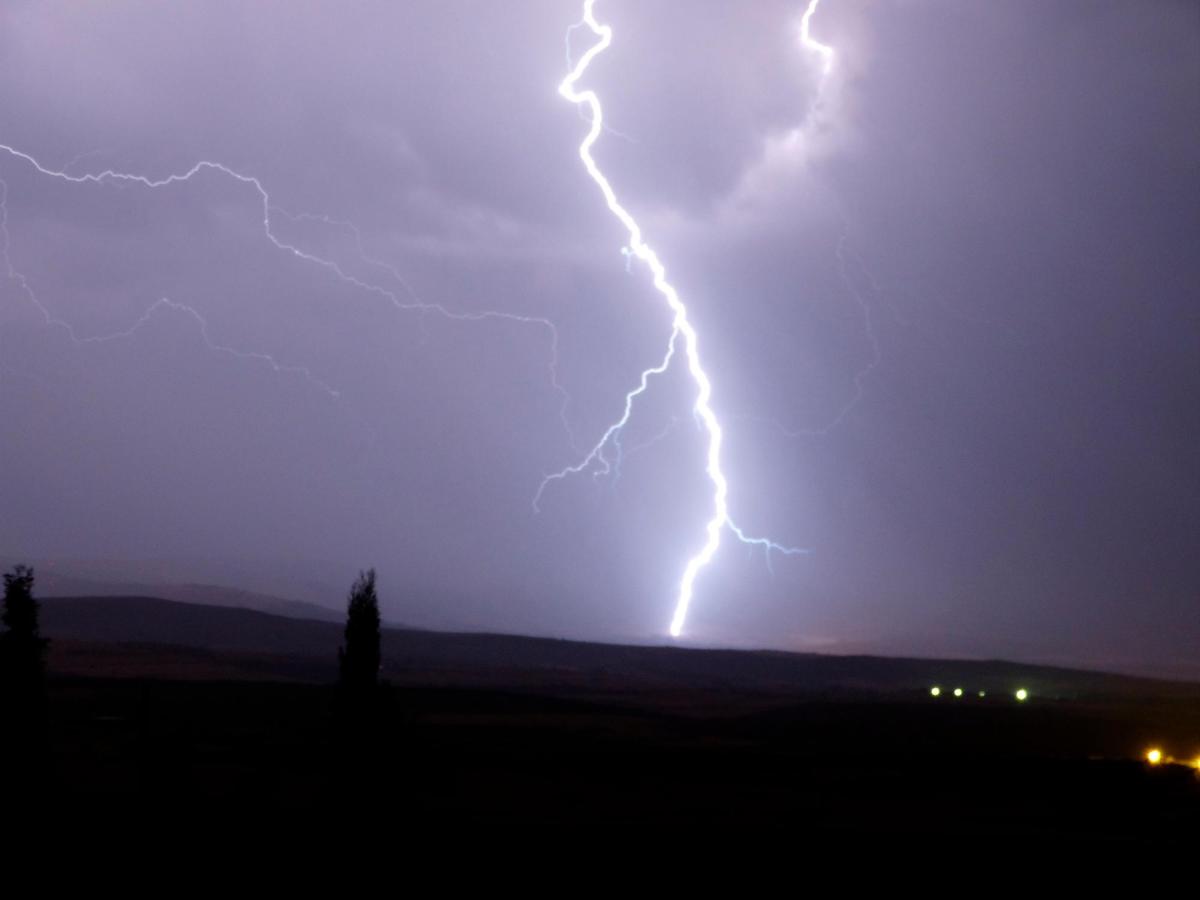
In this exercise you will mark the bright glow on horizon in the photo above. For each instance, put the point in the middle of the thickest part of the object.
(1154, 756)
(935, 691)
(1022, 694)
(681, 327)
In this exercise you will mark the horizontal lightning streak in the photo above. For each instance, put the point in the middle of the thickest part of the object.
(412, 304)
(419, 305)
(164, 303)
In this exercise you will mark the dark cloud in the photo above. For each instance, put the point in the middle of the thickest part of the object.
(977, 237)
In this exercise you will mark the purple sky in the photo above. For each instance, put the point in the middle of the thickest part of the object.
(986, 221)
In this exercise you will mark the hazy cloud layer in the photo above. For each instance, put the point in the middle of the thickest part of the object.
(982, 227)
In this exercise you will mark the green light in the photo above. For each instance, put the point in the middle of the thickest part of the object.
(935, 691)
(1022, 694)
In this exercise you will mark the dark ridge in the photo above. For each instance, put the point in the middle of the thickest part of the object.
(280, 642)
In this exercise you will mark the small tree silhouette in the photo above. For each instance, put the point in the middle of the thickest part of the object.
(22, 687)
(358, 658)
(22, 648)
(360, 704)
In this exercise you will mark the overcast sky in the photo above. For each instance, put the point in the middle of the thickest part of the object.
(949, 299)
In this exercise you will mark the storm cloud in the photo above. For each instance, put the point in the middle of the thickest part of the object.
(948, 300)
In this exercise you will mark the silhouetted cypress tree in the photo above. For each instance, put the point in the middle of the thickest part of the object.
(359, 707)
(22, 681)
(358, 658)
(22, 648)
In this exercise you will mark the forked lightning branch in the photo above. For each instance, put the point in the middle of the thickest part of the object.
(682, 331)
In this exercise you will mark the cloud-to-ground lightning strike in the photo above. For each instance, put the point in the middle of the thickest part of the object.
(681, 328)
(411, 304)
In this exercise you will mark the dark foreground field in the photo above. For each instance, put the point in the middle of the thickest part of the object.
(895, 767)
(495, 730)
(455, 754)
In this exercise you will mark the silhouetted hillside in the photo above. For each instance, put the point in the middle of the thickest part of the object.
(54, 585)
(277, 646)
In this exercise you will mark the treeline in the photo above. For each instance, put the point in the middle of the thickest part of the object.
(365, 717)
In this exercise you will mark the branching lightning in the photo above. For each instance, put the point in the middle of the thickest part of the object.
(415, 303)
(163, 303)
(605, 457)
(408, 303)
(681, 328)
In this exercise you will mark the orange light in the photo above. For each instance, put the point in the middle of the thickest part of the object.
(1154, 757)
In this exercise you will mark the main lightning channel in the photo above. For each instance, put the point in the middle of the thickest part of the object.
(681, 327)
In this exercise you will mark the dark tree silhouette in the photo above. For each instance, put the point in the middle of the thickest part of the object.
(22, 648)
(24, 747)
(358, 658)
(366, 739)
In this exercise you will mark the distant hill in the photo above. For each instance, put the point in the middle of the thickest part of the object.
(153, 620)
(224, 640)
(315, 584)
(54, 584)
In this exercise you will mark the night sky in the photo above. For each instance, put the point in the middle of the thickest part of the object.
(949, 299)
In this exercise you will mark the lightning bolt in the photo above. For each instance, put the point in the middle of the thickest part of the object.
(681, 329)
(410, 302)
(824, 51)
(417, 304)
(161, 304)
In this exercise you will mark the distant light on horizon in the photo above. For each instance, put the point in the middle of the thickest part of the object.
(1154, 756)
(1022, 695)
(958, 692)
(935, 691)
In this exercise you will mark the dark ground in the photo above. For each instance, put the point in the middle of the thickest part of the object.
(895, 767)
(490, 729)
